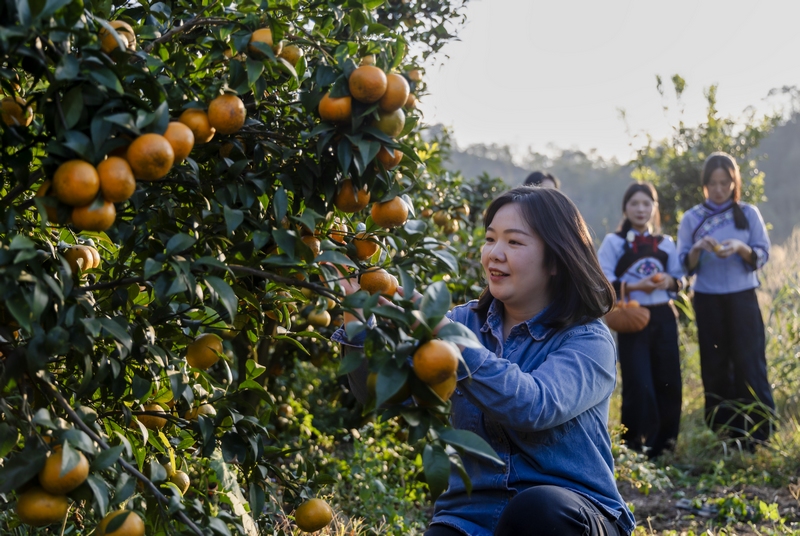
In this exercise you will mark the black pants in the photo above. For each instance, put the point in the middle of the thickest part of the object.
(546, 511)
(651, 383)
(738, 397)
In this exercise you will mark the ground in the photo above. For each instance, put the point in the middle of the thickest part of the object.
(659, 512)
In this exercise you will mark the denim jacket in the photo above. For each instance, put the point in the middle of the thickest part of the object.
(540, 399)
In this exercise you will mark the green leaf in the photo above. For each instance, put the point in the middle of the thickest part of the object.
(68, 68)
(20, 468)
(447, 258)
(470, 442)
(435, 302)
(107, 458)
(69, 459)
(179, 242)
(280, 202)
(458, 333)
(336, 258)
(391, 379)
(8, 439)
(351, 360)
(225, 294)
(100, 491)
(436, 465)
(233, 219)
(117, 331)
(106, 78)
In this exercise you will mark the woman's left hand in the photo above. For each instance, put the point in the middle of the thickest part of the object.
(732, 246)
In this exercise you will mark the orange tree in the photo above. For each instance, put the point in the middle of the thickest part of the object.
(174, 177)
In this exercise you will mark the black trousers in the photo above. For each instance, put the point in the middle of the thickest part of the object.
(738, 397)
(546, 511)
(651, 383)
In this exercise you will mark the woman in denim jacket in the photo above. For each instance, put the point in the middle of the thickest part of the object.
(538, 391)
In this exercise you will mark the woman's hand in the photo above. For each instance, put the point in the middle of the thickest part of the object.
(707, 243)
(733, 246)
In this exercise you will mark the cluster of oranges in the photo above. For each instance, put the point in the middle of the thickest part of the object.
(435, 363)
(80, 258)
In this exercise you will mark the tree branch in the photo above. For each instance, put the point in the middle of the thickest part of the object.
(21, 187)
(197, 20)
(322, 290)
(111, 284)
(160, 497)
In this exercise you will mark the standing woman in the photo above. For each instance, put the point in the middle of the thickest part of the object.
(538, 388)
(724, 242)
(649, 360)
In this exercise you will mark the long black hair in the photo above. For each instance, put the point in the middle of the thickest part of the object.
(537, 177)
(650, 191)
(579, 291)
(721, 160)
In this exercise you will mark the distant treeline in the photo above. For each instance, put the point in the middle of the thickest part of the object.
(596, 185)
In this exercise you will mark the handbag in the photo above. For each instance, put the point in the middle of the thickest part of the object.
(627, 316)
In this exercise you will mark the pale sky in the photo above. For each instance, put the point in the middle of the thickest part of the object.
(528, 73)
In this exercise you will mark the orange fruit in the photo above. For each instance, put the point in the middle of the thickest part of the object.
(658, 278)
(390, 213)
(378, 280)
(16, 112)
(180, 479)
(152, 422)
(443, 390)
(54, 482)
(426, 213)
(292, 54)
(411, 101)
(415, 75)
(348, 200)
(718, 248)
(76, 183)
(389, 158)
(633, 303)
(262, 35)
(95, 256)
(313, 515)
(369, 59)
(99, 219)
(132, 526)
(203, 409)
(319, 318)
(451, 226)
(365, 245)
(79, 258)
(52, 212)
(227, 114)
(151, 157)
(227, 148)
(391, 123)
(38, 508)
(436, 361)
(107, 41)
(335, 109)
(313, 243)
(338, 232)
(367, 84)
(440, 217)
(181, 138)
(202, 352)
(116, 179)
(197, 120)
(396, 95)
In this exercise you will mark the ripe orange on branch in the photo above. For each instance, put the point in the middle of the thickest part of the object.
(436, 361)
(132, 526)
(98, 219)
(152, 422)
(150, 156)
(313, 515)
(396, 95)
(52, 212)
(116, 179)
(367, 84)
(54, 482)
(227, 114)
(390, 213)
(292, 54)
(181, 138)
(348, 200)
(79, 258)
(76, 183)
(378, 280)
(16, 112)
(109, 43)
(202, 352)
(389, 158)
(335, 109)
(206, 410)
(38, 508)
(197, 120)
(444, 390)
(366, 246)
(262, 35)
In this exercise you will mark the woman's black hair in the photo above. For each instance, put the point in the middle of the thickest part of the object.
(579, 292)
(721, 160)
(536, 178)
(650, 191)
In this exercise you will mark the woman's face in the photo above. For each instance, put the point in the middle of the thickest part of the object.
(720, 186)
(639, 210)
(513, 261)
